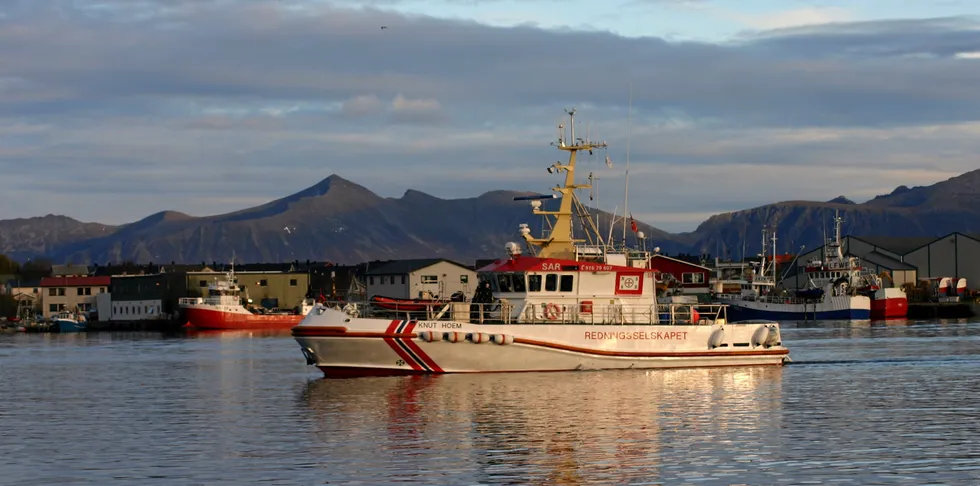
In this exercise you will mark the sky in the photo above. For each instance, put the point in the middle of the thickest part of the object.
(113, 110)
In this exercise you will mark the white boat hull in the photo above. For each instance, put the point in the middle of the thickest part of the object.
(854, 307)
(362, 346)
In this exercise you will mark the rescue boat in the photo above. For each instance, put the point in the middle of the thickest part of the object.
(568, 304)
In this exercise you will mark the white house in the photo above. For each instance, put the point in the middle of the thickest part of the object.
(412, 279)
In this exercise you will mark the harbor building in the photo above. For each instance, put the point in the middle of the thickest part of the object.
(70, 293)
(904, 260)
(143, 297)
(411, 279)
(690, 277)
(71, 270)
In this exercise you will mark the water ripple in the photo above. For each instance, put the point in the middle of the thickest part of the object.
(862, 404)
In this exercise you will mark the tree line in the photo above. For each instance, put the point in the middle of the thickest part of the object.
(30, 271)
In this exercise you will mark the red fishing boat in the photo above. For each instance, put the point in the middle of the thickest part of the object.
(223, 309)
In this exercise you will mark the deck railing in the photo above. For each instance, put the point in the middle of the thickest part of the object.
(504, 312)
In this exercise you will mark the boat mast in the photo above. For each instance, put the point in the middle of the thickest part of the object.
(629, 136)
(773, 238)
(559, 243)
(837, 222)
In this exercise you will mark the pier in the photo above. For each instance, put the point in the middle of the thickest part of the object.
(942, 310)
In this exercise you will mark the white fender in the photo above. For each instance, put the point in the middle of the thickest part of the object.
(717, 338)
(453, 336)
(765, 336)
(502, 339)
(479, 337)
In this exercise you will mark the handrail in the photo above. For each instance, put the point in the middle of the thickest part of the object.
(572, 312)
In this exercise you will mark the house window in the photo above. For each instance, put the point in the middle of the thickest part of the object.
(52, 291)
(534, 283)
(202, 283)
(53, 307)
(263, 283)
(567, 283)
(370, 280)
(61, 291)
(430, 279)
(551, 282)
(464, 279)
(293, 282)
(692, 278)
(403, 279)
(88, 290)
(101, 290)
(81, 291)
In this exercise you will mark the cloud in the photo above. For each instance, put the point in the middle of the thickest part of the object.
(363, 105)
(797, 17)
(189, 105)
(405, 110)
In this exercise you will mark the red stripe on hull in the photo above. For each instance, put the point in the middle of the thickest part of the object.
(398, 350)
(894, 308)
(212, 319)
(426, 359)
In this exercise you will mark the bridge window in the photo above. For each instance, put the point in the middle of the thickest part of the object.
(534, 283)
(503, 282)
(567, 283)
(519, 283)
(551, 282)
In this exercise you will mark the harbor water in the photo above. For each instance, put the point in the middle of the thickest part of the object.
(861, 404)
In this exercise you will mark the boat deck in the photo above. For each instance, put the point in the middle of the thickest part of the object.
(580, 312)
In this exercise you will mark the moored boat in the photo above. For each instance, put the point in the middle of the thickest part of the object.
(223, 309)
(571, 304)
(759, 299)
(69, 322)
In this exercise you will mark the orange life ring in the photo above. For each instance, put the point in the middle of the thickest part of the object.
(551, 312)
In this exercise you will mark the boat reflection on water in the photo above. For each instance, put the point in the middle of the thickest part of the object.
(550, 428)
(235, 333)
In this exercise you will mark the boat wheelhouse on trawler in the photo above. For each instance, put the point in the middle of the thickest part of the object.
(568, 304)
(835, 268)
(759, 298)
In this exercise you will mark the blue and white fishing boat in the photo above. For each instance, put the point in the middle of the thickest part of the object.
(69, 322)
(759, 299)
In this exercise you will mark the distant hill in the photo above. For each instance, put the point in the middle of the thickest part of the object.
(340, 221)
(335, 220)
(936, 210)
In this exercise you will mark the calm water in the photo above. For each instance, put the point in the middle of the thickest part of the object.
(862, 404)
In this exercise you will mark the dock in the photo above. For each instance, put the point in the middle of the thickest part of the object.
(941, 310)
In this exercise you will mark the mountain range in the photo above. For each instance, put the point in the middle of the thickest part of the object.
(340, 221)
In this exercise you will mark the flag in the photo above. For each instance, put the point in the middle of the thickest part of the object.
(632, 222)
(608, 162)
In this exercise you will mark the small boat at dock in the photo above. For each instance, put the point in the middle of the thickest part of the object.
(69, 322)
